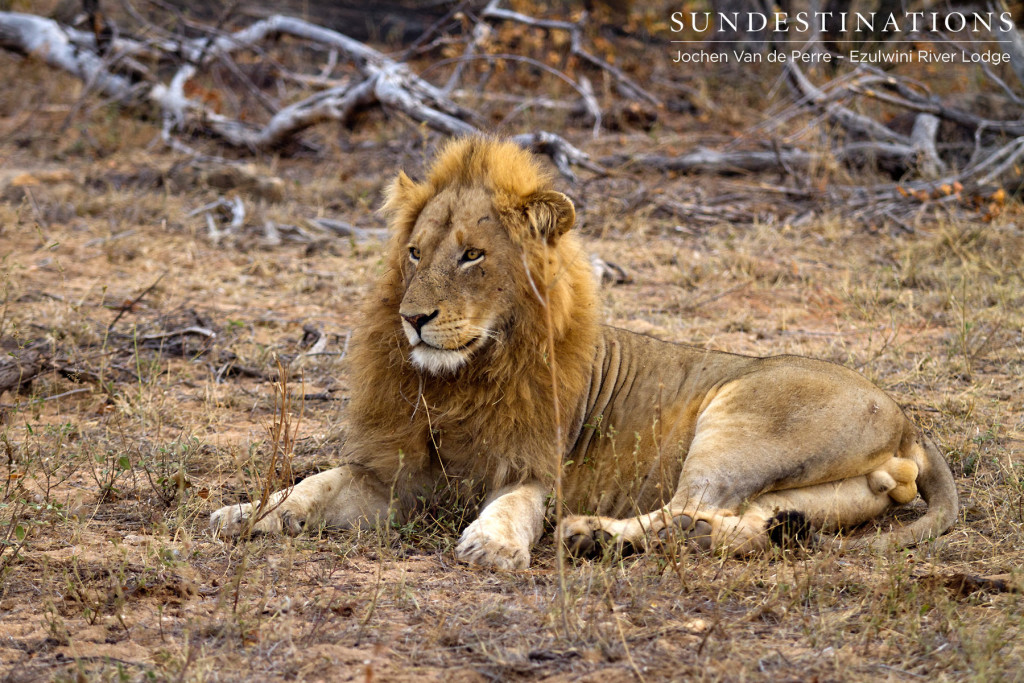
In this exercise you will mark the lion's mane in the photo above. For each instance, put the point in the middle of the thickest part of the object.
(505, 396)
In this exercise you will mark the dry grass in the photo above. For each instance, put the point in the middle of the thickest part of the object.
(108, 571)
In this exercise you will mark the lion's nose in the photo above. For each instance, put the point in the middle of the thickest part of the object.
(419, 319)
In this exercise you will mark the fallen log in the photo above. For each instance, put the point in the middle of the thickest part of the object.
(18, 369)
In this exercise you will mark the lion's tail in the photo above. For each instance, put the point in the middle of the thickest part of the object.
(936, 485)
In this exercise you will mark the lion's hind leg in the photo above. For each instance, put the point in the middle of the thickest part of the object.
(796, 514)
(789, 517)
(775, 518)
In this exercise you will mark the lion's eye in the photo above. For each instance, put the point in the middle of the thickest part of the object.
(471, 255)
(414, 254)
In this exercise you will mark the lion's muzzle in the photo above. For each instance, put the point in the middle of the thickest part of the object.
(441, 344)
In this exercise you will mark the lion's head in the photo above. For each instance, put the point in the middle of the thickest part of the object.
(485, 318)
(480, 247)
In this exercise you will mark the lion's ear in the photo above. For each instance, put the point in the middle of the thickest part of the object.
(399, 194)
(550, 214)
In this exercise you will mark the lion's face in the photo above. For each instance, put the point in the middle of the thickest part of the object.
(460, 280)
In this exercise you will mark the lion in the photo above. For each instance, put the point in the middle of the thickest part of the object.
(480, 361)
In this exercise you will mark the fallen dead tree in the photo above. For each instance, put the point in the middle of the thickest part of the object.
(978, 167)
(121, 73)
(704, 160)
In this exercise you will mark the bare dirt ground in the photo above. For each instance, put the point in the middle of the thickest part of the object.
(164, 345)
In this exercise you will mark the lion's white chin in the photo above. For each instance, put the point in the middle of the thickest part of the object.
(436, 361)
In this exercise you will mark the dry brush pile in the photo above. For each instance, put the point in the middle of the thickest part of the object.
(942, 153)
(174, 318)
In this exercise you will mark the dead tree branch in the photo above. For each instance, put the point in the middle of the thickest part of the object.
(837, 113)
(757, 161)
(563, 154)
(44, 39)
(582, 88)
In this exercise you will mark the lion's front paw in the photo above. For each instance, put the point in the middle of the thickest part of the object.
(485, 546)
(588, 537)
(232, 521)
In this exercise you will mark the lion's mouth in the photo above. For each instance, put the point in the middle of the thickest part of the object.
(457, 349)
(440, 361)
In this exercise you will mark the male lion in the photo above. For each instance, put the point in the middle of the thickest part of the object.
(480, 360)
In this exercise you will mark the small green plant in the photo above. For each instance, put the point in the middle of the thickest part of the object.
(20, 509)
(165, 467)
(110, 467)
(77, 590)
(53, 461)
(14, 532)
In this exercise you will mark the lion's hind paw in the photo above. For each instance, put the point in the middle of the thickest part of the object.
(594, 544)
(790, 530)
(696, 533)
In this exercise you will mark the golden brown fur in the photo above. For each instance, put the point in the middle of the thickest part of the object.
(480, 361)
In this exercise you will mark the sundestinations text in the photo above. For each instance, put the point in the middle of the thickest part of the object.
(857, 22)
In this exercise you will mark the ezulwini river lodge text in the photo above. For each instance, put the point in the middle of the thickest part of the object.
(855, 56)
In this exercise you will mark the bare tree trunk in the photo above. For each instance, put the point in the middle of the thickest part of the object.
(1012, 42)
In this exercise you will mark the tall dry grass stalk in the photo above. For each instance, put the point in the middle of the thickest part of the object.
(276, 474)
(559, 444)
